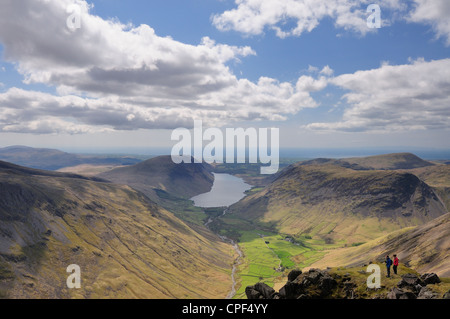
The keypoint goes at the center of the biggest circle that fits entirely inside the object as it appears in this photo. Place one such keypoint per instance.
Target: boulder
(427, 293)
(291, 290)
(430, 279)
(446, 295)
(397, 293)
(260, 291)
(412, 282)
(313, 284)
(294, 274)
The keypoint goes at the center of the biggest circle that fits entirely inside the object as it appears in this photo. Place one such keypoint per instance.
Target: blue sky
(135, 70)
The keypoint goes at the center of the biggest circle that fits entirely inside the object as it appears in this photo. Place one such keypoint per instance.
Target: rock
(430, 279)
(412, 282)
(427, 293)
(446, 295)
(397, 293)
(290, 290)
(294, 274)
(313, 284)
(260, 291)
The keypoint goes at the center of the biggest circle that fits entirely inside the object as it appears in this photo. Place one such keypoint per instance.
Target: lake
(226, 190)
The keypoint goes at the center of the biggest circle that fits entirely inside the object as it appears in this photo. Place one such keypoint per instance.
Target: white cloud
(327, 71)
(415, 96)
(252, 17)
(435, 13)
(111, 75)
(312, 69)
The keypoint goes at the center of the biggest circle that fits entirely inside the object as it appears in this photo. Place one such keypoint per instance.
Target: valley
(126, 245)
(137, 233)
(313, 213)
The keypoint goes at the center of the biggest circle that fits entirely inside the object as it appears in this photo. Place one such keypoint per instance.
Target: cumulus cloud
(435, 13)
(123, 77)
(414, 96)
(252, 17)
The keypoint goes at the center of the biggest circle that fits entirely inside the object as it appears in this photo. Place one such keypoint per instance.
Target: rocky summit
(330, 284)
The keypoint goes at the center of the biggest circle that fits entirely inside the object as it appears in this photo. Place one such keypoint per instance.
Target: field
(269, 257)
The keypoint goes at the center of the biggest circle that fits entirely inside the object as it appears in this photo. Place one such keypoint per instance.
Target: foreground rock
(260, 291)
(430, 279)
(398, 293)
(320, 284)
(413, 287)
(411, 282)
(313, 284)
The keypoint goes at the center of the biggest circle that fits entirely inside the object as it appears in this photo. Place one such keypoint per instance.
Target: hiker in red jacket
(395, 264)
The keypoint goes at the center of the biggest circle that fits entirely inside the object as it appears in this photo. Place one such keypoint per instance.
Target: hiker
(388, 262)
(395, 265)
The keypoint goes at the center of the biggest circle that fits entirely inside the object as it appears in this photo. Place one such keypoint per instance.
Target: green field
(269, 257)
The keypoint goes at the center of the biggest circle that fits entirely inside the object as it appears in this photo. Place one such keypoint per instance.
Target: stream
(236, 262)
(226, 190)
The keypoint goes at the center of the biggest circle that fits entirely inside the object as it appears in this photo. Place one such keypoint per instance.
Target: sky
(116, 75)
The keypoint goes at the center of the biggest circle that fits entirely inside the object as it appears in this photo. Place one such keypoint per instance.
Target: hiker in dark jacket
(388, 262)
(395, 265)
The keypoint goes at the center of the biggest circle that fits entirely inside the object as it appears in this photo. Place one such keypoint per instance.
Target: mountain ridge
(126, 245)
(323, 195)
(183, 180)
(53, 159)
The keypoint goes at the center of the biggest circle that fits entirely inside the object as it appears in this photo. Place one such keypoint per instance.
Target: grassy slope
(126, 246)
(426, 248)
(323, 226)
(438, 177)
(336, 203)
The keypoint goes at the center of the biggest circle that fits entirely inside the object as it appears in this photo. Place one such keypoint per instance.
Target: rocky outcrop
(446, 295)
(411, 282)
(430, 279)
(313, 284)
(413, 287)
(260, 291)
(321, 284)
(427, 293)
(398, 293)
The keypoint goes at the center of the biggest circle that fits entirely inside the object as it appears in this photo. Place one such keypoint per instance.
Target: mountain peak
(389, 161)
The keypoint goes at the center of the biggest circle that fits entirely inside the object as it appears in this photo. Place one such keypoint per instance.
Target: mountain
(389, 161)
(14, 169)
(338, 202)
(394, 161)
(160, 175)
(125, 244)
(51, 159)
(425, 248)
(438, 177)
